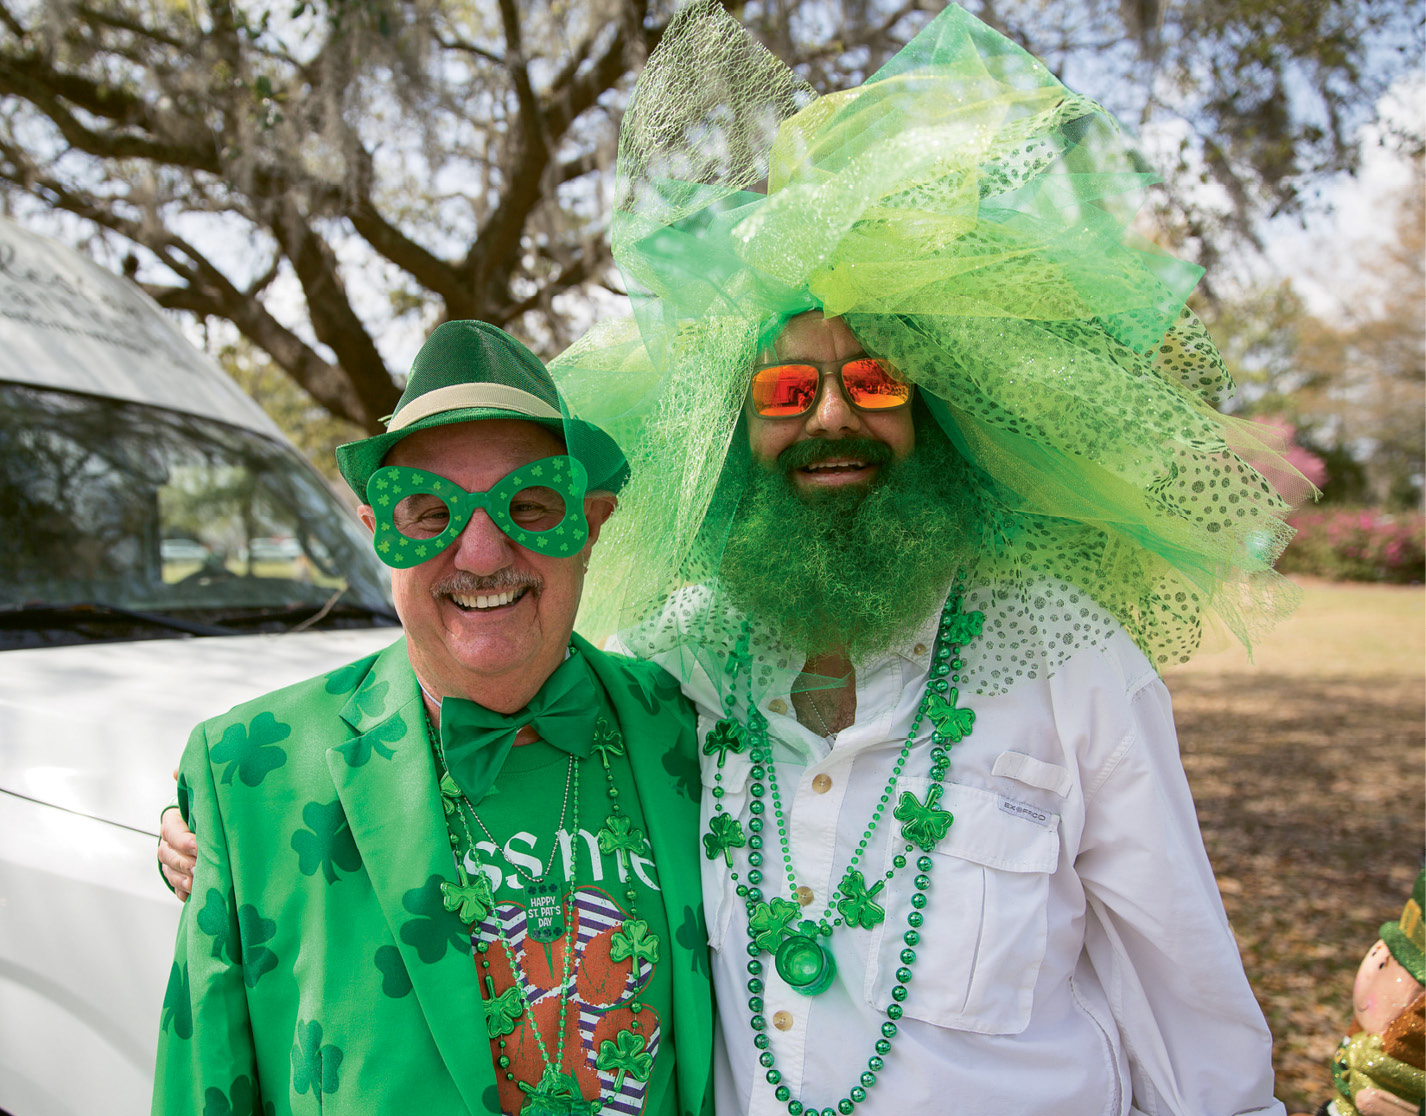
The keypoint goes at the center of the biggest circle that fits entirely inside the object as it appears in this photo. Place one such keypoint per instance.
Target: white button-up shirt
(1074, 959)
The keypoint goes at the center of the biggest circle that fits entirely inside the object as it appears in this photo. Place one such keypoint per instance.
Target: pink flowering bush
(1357, 544)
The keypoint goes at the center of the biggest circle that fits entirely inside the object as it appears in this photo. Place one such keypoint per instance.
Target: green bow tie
(475, 740)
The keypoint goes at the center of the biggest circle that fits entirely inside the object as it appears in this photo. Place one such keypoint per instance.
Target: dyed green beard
(851, 569)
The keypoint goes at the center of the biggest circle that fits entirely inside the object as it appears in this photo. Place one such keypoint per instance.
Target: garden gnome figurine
(1378, 1068)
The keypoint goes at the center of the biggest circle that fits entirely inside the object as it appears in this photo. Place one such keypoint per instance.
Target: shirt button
(803, 895)
(777, 705)
(919, 649)
(782, 1020)
(821, 783)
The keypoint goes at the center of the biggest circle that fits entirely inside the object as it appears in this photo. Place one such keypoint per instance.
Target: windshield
(141, 516)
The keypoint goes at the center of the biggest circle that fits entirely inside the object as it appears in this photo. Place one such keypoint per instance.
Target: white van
(164, 554)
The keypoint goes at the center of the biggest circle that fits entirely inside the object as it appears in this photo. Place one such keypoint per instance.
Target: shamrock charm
(724, 737)
(858, 905)
(924, 824)
(557, 1094)
(501, 1011)
(952, 723)
(725, 833)
(471, 901)
(961, 627)
(608, 741)
(620, 835)
(625, 1056)
(769, 921)
(450, 793)
(633, 940)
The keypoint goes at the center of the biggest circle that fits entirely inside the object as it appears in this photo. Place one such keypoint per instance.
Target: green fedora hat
(467, 371)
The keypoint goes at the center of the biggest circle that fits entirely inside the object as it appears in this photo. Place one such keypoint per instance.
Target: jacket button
(821, 783)
(804, 895)
(782, 1020)
(777, 705)
(919, 649)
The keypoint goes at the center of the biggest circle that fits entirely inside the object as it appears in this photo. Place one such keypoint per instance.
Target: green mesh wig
(969, 218)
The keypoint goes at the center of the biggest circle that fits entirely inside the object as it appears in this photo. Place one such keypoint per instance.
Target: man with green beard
(928, 481)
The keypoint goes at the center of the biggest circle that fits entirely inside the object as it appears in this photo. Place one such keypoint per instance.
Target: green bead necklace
(799, 955)
(472, 900)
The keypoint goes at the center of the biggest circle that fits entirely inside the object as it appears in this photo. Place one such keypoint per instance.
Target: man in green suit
(459, 875)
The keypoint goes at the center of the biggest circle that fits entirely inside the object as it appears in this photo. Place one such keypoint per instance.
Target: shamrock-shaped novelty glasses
(419, 513)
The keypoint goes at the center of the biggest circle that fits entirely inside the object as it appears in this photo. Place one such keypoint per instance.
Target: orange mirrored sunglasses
(789, 390)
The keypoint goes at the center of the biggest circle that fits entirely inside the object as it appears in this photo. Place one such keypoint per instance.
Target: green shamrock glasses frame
(434, 510)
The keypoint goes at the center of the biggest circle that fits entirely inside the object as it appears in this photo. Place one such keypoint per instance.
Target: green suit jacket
(316, 969)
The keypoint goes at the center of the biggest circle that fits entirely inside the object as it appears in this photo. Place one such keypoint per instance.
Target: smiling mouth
(488, 601)
(834, 468)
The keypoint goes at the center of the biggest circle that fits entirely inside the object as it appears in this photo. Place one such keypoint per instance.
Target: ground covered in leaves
(1307, 768)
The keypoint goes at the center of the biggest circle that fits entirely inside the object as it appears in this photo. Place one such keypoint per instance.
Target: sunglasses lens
(784, 390)
(873, 385)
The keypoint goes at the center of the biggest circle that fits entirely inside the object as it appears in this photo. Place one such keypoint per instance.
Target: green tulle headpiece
(969, 218)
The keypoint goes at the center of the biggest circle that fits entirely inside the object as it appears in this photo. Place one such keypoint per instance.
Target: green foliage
(284, 169)
(1358, 544)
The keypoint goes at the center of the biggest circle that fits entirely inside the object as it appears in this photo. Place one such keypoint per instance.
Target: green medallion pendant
(557, 1094)
(806, 964)
(544, 911)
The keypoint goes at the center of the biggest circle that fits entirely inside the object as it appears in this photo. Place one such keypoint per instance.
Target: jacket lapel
(657, 725)
(386, 780)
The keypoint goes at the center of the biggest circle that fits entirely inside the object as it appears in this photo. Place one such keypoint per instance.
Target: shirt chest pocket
(983, 930)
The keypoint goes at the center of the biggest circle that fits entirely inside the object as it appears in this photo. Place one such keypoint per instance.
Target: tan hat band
(459, 396)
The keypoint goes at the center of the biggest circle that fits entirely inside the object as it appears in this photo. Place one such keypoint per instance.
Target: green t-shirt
(619, 1002)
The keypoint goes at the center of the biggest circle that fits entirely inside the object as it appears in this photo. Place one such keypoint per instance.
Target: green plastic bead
(898, 861)
(503, 1061)
(756, 807)
(915, 918)
(868, 1079)
(898, 992)
(883, 1047)
(755, 842)
(755, 876)
(908, 957)
(758, 1023)
(755, 967)
(758, 789)
(922, 882)
(755, 824)
(794, 1108)
(857, 1093)
(918, 901)
(762, 1042)
(773, 1077)
(875, 1063)
(765, 1059)
(903, 975)
(755, 895)
(845, 1106)
(783, 1093)
(893, 1010)
(911, 938)
(755, 1004)
(924, 863)
(889, 1030)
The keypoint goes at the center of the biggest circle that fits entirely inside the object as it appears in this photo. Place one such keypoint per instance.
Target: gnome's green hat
(1406, 937)
(468, 371)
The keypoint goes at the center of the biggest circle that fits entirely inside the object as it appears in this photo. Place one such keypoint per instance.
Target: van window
(124, 521)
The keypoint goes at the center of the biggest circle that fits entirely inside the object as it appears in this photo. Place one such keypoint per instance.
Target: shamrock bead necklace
(472, 900)
(799, 955)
